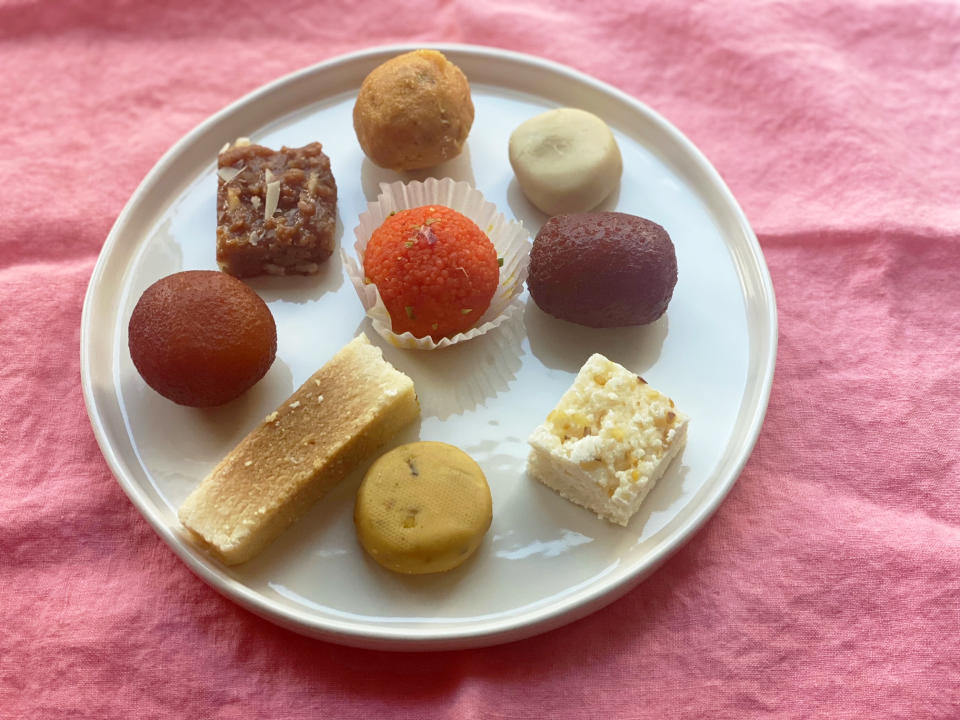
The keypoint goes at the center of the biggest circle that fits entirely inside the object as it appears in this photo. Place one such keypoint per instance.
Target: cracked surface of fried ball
(414, 111)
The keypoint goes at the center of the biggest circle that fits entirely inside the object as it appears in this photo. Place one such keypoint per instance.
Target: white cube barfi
(608, 440)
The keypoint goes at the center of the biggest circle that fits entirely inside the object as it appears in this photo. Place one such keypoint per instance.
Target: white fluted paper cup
(510, 239)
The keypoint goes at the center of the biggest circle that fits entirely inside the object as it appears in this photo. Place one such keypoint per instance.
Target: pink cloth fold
(827, 584)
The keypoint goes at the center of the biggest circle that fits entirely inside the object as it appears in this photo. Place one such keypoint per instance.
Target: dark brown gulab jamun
(201, 338)
(604, 269)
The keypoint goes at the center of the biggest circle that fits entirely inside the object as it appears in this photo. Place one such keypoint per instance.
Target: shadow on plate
(192, 434)
(610, 202)
(576, 526)
(566, 346)
(523, 210)
(227, 424)
(458, 168)
(663, 499)
(457, 379)
(533, 219)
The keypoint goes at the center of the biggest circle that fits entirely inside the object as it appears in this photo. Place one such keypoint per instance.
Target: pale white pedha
(566, 160)
(510, 239)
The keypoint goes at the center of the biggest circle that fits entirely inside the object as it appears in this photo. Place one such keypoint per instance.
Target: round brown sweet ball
(414, 111)
(201, 337)
(605, 269)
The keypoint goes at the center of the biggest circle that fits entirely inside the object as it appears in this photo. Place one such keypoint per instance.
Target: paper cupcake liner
(511, 240)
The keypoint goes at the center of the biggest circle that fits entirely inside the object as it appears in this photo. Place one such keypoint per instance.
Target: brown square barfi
(276, 209)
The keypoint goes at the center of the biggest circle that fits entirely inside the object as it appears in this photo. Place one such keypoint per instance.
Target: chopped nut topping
(227, 174)
(273, 199)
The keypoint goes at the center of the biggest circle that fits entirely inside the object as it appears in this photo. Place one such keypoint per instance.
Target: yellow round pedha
(423, 508)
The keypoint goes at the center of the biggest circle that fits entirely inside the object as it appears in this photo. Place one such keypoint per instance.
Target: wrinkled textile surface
(827, 584)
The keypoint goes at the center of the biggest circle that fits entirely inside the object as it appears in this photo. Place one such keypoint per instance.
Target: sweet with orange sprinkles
(435, 270)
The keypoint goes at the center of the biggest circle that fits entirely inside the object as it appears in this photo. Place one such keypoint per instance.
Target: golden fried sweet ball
(201, 337)
(413, 111)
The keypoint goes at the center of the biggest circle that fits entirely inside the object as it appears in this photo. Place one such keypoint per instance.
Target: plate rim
(454, 636)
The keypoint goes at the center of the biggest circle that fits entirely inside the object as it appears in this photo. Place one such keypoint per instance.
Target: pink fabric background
(827, 584)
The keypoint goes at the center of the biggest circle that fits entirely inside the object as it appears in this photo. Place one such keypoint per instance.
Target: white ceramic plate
(544, 562)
